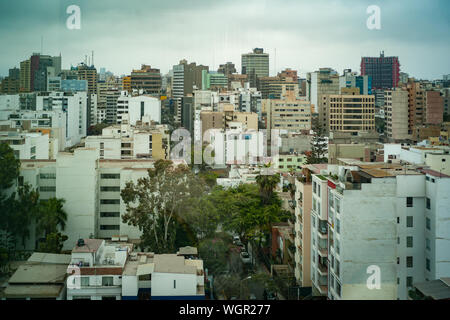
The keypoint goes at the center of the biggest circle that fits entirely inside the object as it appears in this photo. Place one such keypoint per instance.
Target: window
(338, 288)
(428, 203)
(110, 201)
(409, 281)
(427, 242)
(109, 214)
(428, 223)
(20, 181)
(398, 219)
(109, 227)
(47, 189)
(338, 226)
(110, 176)
(428, 264)
(409, 262)
(409, 201)
(409, 221)
(398, 240)
(84, 281)
(47, 176)
(111, 189)
(107, 281)
(174, 284)
(409, 242)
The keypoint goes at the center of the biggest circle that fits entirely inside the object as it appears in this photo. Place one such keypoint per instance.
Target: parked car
(236, 240)
(245, 257)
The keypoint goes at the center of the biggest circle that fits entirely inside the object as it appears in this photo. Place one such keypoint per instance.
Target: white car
(245, 257)
(236, 239)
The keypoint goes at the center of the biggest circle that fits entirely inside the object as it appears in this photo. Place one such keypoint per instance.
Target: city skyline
(305, 36)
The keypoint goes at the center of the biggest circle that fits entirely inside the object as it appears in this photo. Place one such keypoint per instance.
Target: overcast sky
(305, 34)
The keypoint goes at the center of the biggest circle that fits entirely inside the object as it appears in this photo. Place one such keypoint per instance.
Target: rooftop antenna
(42, 44)
(92, 57)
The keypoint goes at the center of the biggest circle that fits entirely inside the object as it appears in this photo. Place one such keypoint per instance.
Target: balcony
(323, 269)
(323, 252)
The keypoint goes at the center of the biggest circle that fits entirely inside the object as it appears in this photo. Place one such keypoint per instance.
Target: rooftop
(436, 289)
(90, 245)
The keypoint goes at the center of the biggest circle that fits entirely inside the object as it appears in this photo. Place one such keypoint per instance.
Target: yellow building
(126, 83)
(350, 111)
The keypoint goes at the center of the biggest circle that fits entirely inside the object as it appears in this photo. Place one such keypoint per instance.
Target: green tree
(267, 185)
(214, 253)
(9, 168)
(53, 243)
(202, 216)
(156, 202)
(50, 216)
(318, 145)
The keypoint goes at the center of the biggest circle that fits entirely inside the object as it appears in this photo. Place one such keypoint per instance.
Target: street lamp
(240, 286)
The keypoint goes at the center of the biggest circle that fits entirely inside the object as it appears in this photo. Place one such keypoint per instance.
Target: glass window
(428, 264)
(428, 203)
(85, 281)
(409, 221)
(428, 244)
(409, 201)
(409, 242)
(107, 281)
(409, 262)
(409, 281)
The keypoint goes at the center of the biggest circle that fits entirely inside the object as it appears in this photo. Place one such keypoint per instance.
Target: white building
(27, 145)
(380, 219)
(64, 113)
(123, 141)
(91, 187)
(163, 277)
(97, 268)
(137, 107)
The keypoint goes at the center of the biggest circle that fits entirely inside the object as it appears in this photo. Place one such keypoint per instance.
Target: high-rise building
(351, 80)
(396, 114)
(255, 64)
(147, 79)
(385, 71)
(227, 69)
(88, 73)
(318, 85)
(288, 113)
(186, 79)
(350, 111)
(11, 83)
(381, 218)
(213, 80)
(25, 76)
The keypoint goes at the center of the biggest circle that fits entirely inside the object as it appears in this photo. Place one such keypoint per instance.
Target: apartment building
(63, 113)
(147, 79)
(350, 111)
(27, 145)
(303, 198)
(98, 269)
(131, 142)
(224, 120)
(91, 187)
(137, 107)
(379, 221)
(319, 84)
(396, 114)
(289, 113)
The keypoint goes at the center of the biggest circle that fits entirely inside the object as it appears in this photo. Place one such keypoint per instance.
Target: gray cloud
(306, 34)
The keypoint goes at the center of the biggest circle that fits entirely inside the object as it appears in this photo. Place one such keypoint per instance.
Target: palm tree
(51, 215)
(267, 184)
